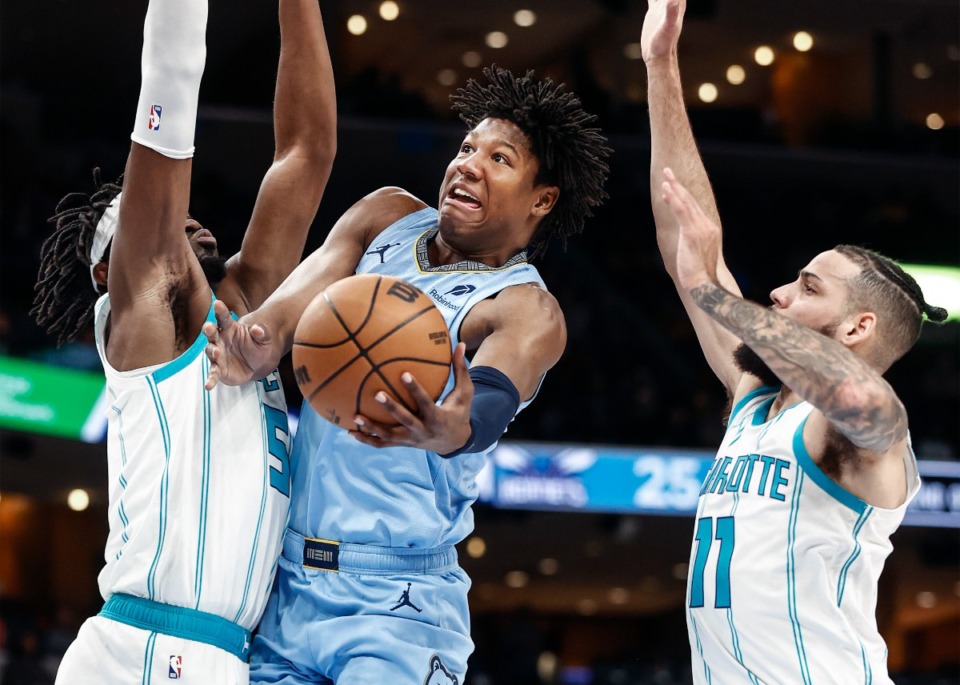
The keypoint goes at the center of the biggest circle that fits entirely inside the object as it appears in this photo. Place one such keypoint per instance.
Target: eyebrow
(497, 143)
(803, 273)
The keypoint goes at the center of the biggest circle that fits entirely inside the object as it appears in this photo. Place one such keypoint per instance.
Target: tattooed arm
(849, 392)
(858, 430)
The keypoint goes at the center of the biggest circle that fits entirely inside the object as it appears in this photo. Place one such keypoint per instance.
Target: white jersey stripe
(792, 578)
(204, 489)
(842, 579)
(148, 659)
(164, 483)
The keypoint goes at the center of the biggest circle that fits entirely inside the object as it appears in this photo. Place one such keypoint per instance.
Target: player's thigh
(106, 652)
(409, 666)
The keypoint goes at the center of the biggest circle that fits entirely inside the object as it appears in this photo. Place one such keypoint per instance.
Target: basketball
(358, 337)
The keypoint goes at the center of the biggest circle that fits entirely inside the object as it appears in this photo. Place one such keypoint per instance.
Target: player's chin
(460, 214)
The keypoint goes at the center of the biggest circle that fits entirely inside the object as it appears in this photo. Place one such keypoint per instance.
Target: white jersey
(199, 485)
(784, 565)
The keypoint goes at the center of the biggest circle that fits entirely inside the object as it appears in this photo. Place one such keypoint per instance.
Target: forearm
(172, 62)
(305, 111)
(672, 145)
(845, 388)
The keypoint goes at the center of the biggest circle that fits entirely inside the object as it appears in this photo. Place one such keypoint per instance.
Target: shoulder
(527, 307)
(391, 200)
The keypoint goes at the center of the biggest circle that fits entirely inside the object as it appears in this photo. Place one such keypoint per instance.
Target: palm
(661, 28)
(238, 352)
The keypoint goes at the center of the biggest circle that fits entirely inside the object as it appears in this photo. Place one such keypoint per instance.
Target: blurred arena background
(848, 134)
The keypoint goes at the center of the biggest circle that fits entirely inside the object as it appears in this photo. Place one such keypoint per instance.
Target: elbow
(874, 415)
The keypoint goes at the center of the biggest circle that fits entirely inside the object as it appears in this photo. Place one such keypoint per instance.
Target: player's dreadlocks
(883, 284)
(571, 153)
(64, 299)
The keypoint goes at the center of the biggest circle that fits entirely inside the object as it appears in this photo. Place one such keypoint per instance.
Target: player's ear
(100, 273)
(858, 328)
(546, 198)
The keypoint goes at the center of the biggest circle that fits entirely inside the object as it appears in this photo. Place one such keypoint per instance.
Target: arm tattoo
(851, 394)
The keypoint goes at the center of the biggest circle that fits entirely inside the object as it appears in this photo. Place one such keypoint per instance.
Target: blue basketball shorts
(357, 614)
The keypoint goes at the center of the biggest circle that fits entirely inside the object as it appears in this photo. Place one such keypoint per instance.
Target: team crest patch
(439, 675)
(176, 664)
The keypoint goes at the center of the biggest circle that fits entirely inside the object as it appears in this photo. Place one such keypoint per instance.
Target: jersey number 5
(705, 537)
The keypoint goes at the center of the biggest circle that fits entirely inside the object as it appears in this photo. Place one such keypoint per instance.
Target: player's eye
(500, 158)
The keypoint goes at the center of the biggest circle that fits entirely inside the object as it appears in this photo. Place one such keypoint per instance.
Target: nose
(780, 297)
(468, 167)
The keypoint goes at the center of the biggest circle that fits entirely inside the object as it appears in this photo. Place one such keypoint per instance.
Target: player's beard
(750, 362)
(214, 268)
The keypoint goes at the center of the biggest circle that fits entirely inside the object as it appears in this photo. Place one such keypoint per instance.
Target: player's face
(488, 190)
(201, 239)
(204, 246)
(819, 297)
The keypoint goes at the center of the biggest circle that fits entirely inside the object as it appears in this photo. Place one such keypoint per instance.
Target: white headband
(103, 234)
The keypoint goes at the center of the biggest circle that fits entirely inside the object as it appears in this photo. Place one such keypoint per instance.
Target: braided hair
(571, 153)
(63, 300)
(882, 285)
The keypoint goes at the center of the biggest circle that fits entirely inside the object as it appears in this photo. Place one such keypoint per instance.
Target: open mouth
(463, 198)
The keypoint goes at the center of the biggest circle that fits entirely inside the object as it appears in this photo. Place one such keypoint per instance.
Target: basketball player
(199, 481)
(816, 469)
(376, 511)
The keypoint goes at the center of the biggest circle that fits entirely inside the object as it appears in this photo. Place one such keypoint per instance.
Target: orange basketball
(358, 337)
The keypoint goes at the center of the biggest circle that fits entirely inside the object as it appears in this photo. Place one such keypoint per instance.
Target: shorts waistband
(329, 555)
(189, 624)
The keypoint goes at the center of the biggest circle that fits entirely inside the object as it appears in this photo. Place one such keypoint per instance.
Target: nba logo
(175, 663)
(154, 122)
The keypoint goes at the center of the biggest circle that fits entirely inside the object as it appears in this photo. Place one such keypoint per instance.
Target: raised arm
(305, 123)
(672, 145)
(252, 347)
(849, 394)
(157, 289)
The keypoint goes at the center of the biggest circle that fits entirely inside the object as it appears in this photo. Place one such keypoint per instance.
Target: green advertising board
(41, 398)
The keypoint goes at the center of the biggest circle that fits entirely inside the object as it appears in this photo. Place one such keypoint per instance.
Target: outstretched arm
(157, 290)
(251, 347)
(672, 145)
(844, 388)
(305, 123)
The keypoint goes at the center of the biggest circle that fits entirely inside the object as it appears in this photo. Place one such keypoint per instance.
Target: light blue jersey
(785, 562)
(397, 497)
(368, 588)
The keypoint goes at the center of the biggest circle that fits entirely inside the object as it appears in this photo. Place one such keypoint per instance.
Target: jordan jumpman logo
(379, 251)
(405, 601)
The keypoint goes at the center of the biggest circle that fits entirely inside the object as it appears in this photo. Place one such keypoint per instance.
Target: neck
(442, 253)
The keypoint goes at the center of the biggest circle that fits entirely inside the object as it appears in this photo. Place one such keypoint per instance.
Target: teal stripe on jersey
(842, 579)
(734, 635)
(792, 580)
(181, 362)
(867, 668)
(763, 390)
(164, 485)
(121, 510)
(830, 486)
(696, 634)
(148, 658)
(736, 647)
(265, 448)
(205, 485)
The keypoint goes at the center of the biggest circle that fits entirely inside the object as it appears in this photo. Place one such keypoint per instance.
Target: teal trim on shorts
(188, 624)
